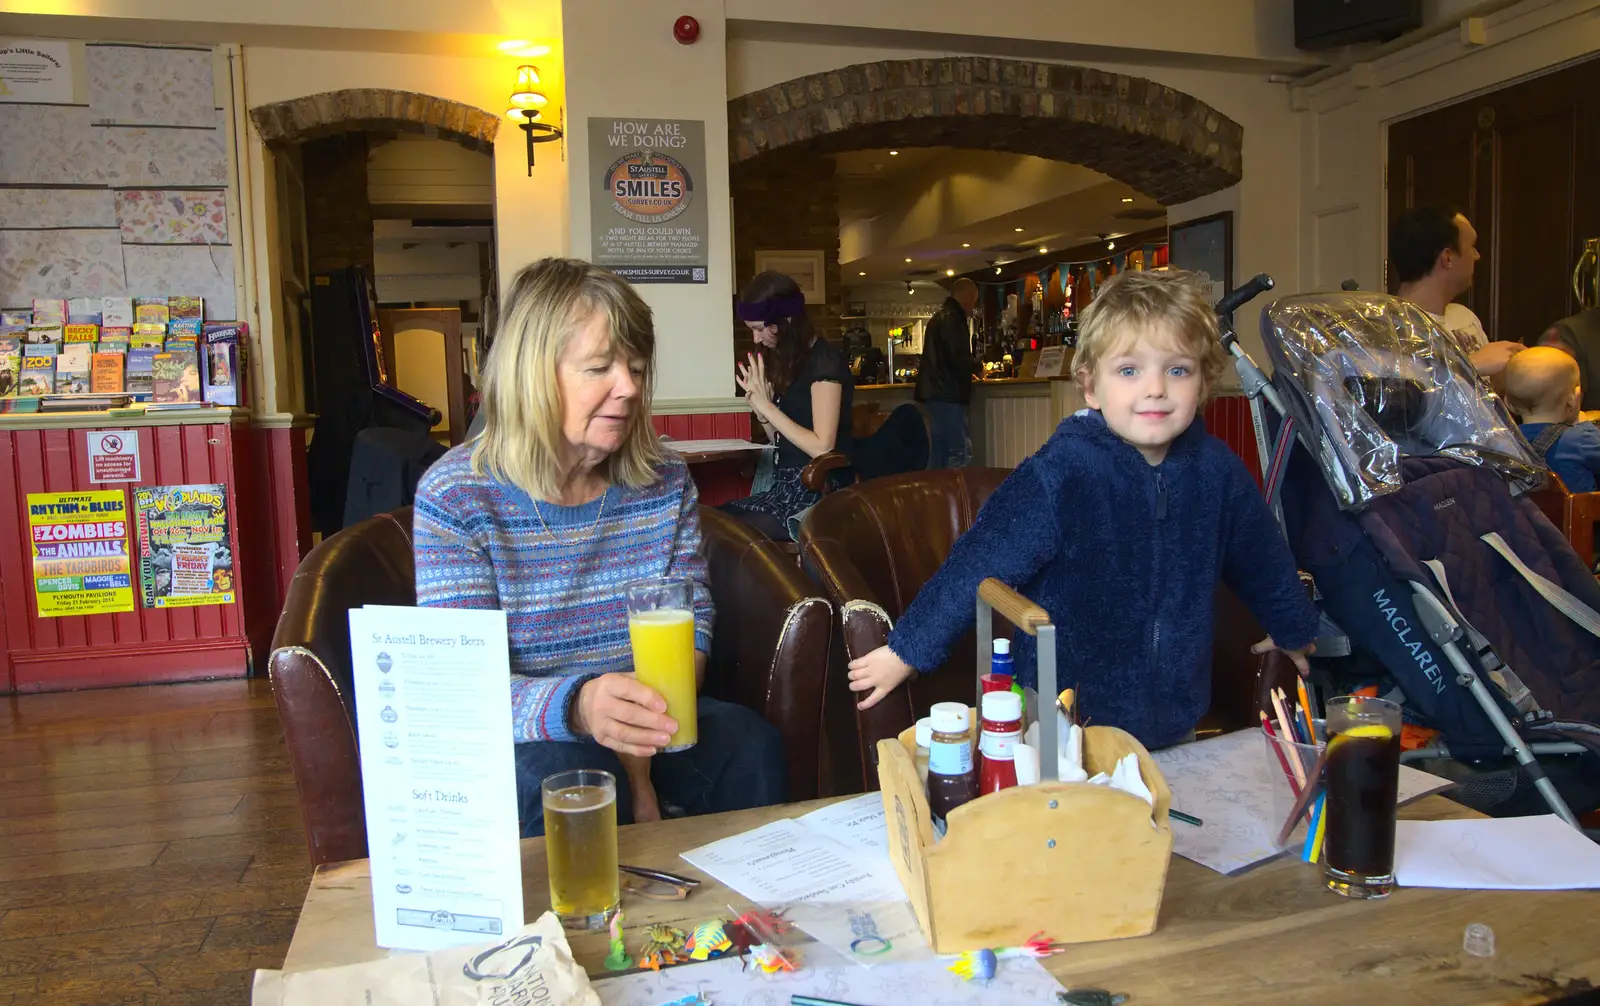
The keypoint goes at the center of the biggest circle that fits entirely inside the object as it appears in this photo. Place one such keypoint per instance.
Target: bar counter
(1011, 417)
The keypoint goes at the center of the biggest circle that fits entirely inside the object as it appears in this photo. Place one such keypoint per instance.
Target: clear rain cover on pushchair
(1371, 378)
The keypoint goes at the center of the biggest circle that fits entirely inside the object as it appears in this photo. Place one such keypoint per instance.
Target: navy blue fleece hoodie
(1125, 556)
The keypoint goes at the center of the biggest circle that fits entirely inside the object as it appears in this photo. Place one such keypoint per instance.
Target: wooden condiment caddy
(1075, 861)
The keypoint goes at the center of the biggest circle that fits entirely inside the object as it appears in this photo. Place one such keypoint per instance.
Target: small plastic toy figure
(618, 959)
(665, 947)
(708, 938)
(976, 965)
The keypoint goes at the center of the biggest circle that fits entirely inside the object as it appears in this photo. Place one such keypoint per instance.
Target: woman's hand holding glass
(623, 715)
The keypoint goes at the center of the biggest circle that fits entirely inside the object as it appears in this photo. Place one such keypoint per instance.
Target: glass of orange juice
(661, 629)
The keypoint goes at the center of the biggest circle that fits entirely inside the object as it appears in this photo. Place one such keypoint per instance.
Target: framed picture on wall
(806, 268)
(1205, 245)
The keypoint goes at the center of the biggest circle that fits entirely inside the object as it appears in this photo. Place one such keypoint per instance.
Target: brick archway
(376, 109)
(1167, 144)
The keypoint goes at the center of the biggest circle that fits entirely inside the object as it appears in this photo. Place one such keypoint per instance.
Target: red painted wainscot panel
(264, 471)
(1228, 419)
(718, 481)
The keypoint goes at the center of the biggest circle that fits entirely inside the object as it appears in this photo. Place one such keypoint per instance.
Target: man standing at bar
(1434, 250)
(944, 377)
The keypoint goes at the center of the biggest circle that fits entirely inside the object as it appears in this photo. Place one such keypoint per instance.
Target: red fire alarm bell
(686, 30)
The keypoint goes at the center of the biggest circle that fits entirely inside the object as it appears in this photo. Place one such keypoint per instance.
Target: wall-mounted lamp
(526, 100)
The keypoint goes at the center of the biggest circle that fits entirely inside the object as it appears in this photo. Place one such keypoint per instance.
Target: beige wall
(1343, 131)
(622, 61)
(395, 25)
(1255, 32)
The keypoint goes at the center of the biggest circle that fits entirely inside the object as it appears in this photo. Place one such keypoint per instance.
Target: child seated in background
(1542, 388)
(1120, 527)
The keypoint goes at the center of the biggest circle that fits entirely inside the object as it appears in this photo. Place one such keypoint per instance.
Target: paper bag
(535, 965)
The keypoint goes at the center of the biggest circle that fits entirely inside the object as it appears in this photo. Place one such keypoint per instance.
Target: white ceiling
(874, 183)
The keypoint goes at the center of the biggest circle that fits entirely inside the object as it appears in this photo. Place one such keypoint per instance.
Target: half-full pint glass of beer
(580, 845)
(1362, 777)
(661, 628)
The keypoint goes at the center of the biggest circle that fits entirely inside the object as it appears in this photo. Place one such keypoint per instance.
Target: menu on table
(433, 712)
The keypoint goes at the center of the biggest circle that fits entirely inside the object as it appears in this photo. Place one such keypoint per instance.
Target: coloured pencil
(1277, 747)
(1178, 815)
(1309, 850)
(1305, 710)
(1293, 714)
(1303, 803)
(1286, 731)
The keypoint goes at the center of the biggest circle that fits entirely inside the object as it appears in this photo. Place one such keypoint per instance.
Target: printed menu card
(433, 713)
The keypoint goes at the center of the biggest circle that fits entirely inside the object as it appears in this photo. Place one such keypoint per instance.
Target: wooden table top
(1271, 935)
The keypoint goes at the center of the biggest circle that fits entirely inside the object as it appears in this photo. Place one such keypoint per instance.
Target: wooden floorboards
(150, 845)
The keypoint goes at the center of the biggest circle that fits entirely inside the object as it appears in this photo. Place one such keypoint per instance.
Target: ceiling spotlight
(894, 153)
(1111, 246)
(949, 272)
(1044, 251)
(860, 274)
(1018, 230)
(965, 245)
(1127, 199)
(997, 270)
(910, 290)
(908, 260)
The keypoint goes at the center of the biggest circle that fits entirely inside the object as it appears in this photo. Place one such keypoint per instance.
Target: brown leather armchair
(1574, 513)
(872, 546)
(367, 563)
(770, 652)
(772, 644)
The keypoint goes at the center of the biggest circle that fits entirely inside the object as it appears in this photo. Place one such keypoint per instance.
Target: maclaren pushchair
(1400, 481)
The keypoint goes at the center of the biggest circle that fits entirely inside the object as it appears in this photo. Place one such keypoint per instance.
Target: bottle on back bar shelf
(952, 780)
(1002, 729)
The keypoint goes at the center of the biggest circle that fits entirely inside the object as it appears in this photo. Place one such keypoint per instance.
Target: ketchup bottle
(1002, 728)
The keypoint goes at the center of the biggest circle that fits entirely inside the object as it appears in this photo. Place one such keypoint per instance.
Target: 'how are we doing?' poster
(81, 564)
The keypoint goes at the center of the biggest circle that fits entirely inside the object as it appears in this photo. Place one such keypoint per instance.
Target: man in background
(1433, 250)
(944, 377)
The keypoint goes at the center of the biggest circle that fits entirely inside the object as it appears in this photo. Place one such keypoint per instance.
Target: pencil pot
(1079, 862)
(1286, 766)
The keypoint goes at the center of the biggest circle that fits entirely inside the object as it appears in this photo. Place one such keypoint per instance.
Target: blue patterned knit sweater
(1125, 557)
(479, 543)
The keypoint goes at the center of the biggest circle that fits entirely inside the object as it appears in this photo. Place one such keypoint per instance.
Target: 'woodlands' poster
(184, 553)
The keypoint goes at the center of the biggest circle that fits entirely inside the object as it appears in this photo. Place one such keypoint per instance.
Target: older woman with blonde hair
(564, 498)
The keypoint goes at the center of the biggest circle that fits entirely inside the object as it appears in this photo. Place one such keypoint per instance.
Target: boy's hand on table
(1296, 657)
(879, 672)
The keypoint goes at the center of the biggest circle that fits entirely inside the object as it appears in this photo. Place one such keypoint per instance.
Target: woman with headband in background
(799, 387)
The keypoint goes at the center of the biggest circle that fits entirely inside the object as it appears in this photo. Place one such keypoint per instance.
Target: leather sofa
(773, 639)
(873, 545)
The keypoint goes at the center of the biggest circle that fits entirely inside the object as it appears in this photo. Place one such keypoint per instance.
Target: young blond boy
(1120, 526)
